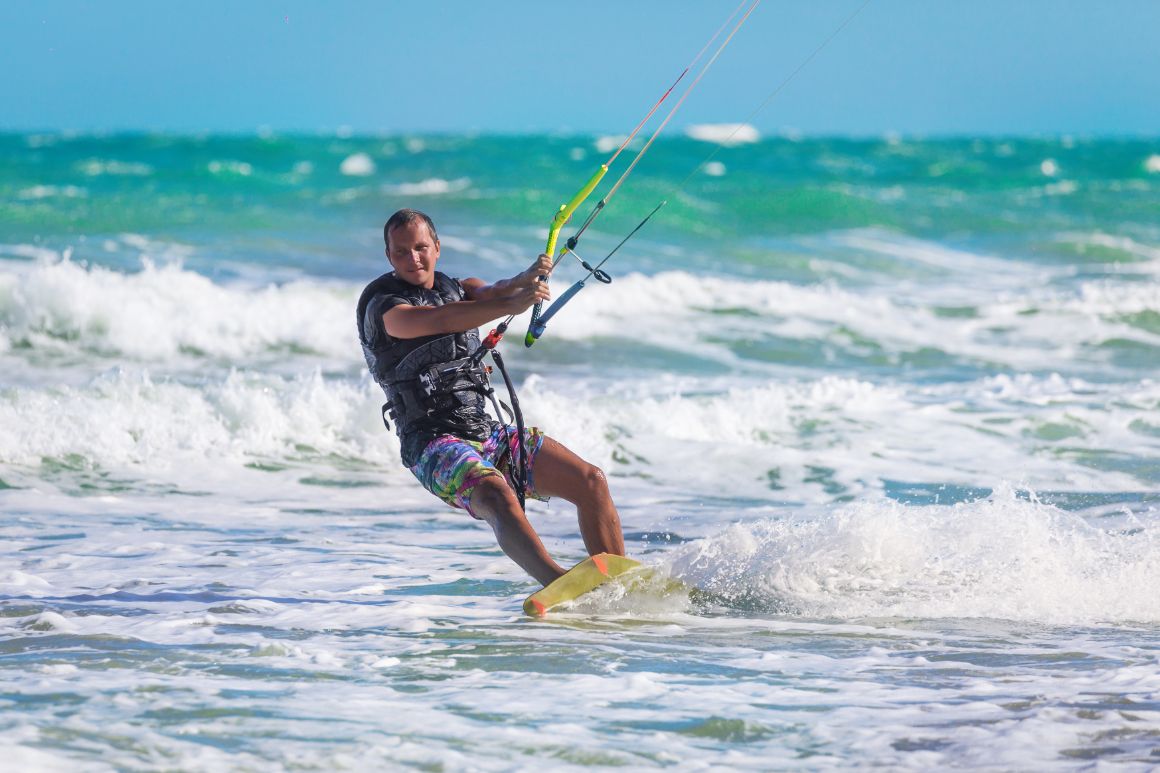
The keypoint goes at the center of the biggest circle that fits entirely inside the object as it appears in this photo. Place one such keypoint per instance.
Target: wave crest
(1000, 557)
(127, 420)
(165, 312)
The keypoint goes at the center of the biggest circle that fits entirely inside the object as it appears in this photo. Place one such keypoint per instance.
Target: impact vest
(432, 386)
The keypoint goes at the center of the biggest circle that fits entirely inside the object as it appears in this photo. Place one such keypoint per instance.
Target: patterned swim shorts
(451, 467)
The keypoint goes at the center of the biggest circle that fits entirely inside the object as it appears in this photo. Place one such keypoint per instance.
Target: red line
(600, 564)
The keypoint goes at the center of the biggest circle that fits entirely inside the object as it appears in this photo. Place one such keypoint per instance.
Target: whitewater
(891, 405)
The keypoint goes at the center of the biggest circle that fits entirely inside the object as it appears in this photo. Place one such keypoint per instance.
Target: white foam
(1113, 298)
(53, 191)
(28, 757)
(128, 421)
(801, 441)
(231, 167)
(167, 315)
(1061, 188)
(1000, 558)
(16, 581)
(94, 167)
(1152, 164)
(51, 621)
(1124, 244)
(609, 143)
(896, 317)
(430, 187)
(724, 133)
(357, 165)
(190, 332)
(927, 253)
(715, 169)
(162, 313)
(271, 596)
(810, 441)
(29, 251)
(41, 140)
(482, 249)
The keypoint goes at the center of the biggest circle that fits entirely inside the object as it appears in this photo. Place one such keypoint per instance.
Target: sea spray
(1004, 556)
(162, 313)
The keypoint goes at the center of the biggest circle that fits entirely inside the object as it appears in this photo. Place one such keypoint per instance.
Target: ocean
(892, 405)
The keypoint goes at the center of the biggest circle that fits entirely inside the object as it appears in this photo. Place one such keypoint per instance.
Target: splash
(62, 309)
(1002, 557)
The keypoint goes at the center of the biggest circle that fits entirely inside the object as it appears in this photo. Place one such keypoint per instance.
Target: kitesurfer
(418, 329)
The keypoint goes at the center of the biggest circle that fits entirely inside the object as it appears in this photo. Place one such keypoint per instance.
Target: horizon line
(787, 134)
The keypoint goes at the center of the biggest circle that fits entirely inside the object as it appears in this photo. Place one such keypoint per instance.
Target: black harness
(437, 382)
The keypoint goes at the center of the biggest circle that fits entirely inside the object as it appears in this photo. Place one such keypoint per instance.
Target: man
(418, 329)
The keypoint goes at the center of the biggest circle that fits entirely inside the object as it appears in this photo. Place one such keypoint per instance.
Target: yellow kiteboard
(583, 577)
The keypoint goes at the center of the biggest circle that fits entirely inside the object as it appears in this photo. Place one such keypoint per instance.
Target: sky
(913, 67)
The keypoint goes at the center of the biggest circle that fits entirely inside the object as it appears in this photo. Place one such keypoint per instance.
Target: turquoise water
(891, 404)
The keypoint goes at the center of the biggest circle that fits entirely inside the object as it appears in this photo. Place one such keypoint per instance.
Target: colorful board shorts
(451, 467)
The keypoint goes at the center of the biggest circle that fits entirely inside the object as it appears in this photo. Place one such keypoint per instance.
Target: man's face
(413, 253)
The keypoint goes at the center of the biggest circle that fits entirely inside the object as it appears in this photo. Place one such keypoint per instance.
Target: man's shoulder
(389, 291)
(391, 284)
(377, 297)
(448, 283)
(385, 284)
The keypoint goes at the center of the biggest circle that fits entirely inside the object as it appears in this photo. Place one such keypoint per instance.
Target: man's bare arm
(414, 322)
(478, 290)
(484, 303)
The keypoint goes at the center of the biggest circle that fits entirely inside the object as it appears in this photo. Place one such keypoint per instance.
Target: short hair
(406, 217)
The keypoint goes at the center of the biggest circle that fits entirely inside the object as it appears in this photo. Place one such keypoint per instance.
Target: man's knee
(594, 483)
(493, 498)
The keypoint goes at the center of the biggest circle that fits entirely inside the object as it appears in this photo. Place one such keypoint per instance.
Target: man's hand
(517, 293)
(542, 267)
(528, 289)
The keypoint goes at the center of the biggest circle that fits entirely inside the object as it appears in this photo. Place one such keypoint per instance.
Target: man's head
(412, 246)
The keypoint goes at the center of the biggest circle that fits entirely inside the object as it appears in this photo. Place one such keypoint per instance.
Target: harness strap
(519, 467)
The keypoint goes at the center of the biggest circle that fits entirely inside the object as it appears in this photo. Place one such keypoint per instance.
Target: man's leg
(494, 501)
(455, 470)
(560, 473)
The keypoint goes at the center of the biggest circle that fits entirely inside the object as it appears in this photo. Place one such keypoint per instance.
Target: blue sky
(909, 66)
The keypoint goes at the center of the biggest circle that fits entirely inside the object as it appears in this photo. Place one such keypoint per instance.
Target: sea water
(891, 405)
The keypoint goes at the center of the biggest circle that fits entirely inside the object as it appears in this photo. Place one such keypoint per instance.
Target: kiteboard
(590, 573)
